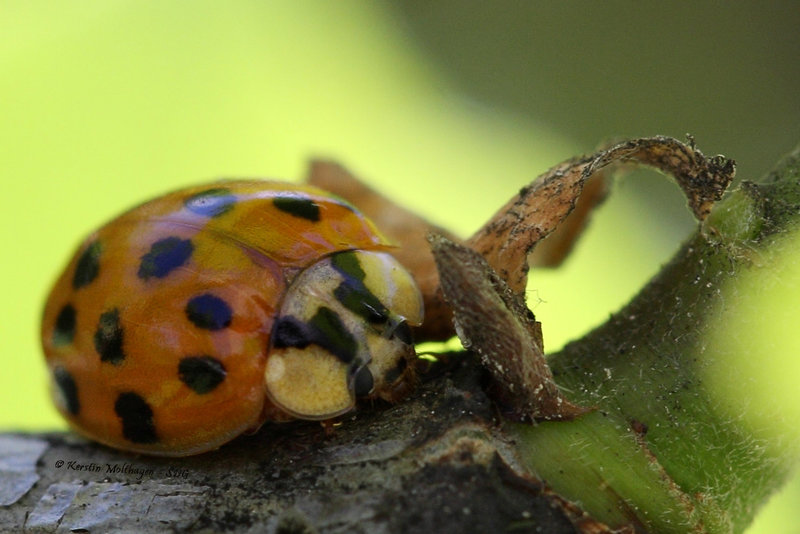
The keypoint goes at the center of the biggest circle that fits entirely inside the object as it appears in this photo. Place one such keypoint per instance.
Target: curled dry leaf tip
(483, 279)
(538, 210)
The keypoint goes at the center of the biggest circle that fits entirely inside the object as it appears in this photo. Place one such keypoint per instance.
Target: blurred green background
(447, 106)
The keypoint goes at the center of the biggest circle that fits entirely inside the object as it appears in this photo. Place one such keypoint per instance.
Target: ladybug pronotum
(199, 315)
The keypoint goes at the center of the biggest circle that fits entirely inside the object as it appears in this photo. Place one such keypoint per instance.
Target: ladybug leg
(329, 426)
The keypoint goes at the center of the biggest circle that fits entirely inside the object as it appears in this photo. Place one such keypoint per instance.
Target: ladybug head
(343, 333)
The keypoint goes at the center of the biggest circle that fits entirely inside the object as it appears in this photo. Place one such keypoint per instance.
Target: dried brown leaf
(552, 251)
(493, 321)
(510, 236)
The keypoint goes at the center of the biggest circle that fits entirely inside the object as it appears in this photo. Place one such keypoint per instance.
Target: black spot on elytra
(64, 331)
(108, 337)
(137, 418)
(363, 383)
(302, 207)
(324, 329)
(201, 373)
(164, 256)
(209, 312)
(88, 266)
(69, 390)
(352, 292)
(211, 203)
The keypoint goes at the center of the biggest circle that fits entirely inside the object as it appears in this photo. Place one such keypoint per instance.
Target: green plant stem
(670, 446)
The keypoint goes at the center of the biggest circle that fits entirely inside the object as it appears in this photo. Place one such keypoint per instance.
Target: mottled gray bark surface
(438, 462)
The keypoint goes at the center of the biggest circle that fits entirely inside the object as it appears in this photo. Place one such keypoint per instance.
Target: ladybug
(202, 314)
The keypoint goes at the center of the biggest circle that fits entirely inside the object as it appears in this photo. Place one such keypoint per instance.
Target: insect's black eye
(363, 382)
(403, 333)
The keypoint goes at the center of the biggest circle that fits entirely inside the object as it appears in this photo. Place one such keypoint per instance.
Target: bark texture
(439, 462)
